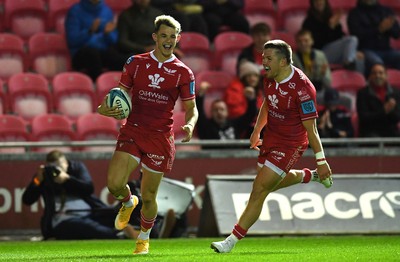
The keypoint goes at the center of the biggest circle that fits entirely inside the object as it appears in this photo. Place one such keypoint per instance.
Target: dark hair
(324, 16)
(260, 28)
(53, 156)
(302, 32)
(168, 21)
(282, 48)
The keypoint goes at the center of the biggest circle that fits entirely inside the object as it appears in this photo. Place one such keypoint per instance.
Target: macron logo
(147, 66)
(155, 81)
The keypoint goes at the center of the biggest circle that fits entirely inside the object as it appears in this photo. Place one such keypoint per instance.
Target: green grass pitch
(250, 249)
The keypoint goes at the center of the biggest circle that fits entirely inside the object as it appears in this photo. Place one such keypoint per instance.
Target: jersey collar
(289, 77)
(166, 61)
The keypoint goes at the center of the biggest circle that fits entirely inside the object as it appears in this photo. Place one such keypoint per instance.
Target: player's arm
(262, 120)
(191, 116)
(105, 110)
(323, 169)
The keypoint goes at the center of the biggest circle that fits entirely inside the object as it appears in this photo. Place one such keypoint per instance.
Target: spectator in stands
(311, 61)
(334, 119)
(374, 25)
(136, 26)
(188, 13)
(261, 33)
(228, 13)
(329, 37)
(235, 97)
(220, 126)
(71, 210)
(378, 106)
(91, 37)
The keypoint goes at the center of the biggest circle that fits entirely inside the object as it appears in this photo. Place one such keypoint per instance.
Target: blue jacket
(78, 22)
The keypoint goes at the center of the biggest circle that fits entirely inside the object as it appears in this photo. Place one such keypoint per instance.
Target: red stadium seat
(57, 12)
(394, 77)
(13, 129)
(29, 95)
(257, 11)
(12, 55)
(290, 12)
(227, 47)
(94, 126)
(395, 43)
(105, 82)
(219, 80)
(73, 94)
(393, 4)
(49, 54)
(347, 81)
(25, 18)
(3, 100)
(343, 5)
(287, 37)
(52, 127)
(196, 49)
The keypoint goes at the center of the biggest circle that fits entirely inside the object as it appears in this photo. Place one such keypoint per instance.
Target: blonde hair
(168, 21)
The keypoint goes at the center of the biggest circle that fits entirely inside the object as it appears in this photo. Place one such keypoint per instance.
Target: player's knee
(149, 197)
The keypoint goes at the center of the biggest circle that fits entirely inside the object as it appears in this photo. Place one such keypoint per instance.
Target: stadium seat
(347, 80)
(25, 18)
(196, 49)
(94, 126)
(56, 14)
(343, 5)
(227, 47)
(291, 12)
(49, 54)
(105, 82)
(395, 43)
(394, 77)
(13, 129)
(73, 94)
(52, 127)
(3, 100)
(393, 4)
(12, 55)
(179, 134)
(219, 80)
(29, 95)
(287, 37)
(260, 11)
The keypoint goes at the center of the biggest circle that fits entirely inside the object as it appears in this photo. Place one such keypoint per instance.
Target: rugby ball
(119, 97)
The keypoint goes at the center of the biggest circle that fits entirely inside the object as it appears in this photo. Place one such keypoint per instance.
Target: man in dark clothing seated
(219, 126)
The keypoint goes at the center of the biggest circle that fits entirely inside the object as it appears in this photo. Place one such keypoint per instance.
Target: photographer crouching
(71, 209)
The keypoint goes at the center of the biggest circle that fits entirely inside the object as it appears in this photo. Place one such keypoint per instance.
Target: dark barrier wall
(16, 172)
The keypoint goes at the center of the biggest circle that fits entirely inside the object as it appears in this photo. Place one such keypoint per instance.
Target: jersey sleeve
(187, 87)
(307, 102)
(127, 73)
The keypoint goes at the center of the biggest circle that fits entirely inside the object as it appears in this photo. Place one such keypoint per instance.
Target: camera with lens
(51, 171)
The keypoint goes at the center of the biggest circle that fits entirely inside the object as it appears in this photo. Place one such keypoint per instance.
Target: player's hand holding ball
(117, 103)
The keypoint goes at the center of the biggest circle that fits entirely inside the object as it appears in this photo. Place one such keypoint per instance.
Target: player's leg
(149, 187)
(120, 167)
(264, 183)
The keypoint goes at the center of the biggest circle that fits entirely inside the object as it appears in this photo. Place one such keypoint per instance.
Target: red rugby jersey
(290, 102)
(155, 87)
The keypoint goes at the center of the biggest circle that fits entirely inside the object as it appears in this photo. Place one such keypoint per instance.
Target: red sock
(127, 198)
(307, 175)
(146, 223)
(239, 232)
